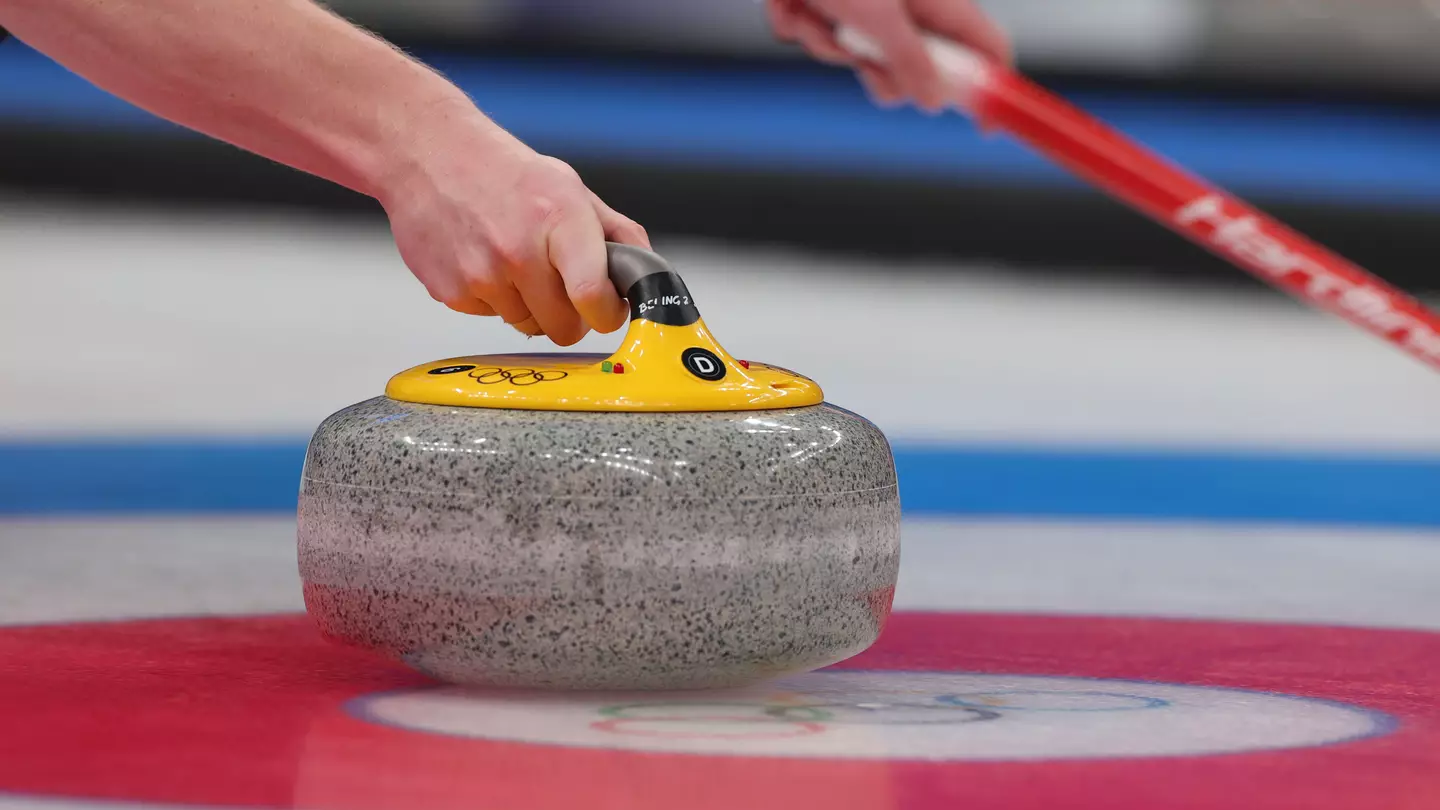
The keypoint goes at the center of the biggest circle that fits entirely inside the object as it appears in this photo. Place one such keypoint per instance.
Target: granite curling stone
(667, 517)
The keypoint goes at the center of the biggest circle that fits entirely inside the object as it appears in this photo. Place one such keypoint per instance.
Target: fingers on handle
(618, 227)
(576, 250)
(468, 305)
(489, 286)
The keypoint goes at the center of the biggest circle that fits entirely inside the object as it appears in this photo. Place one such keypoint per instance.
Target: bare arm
(283, 78)
(486, 224)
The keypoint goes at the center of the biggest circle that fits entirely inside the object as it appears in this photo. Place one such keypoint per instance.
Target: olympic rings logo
(494, 375)
(748, 721)
(710, 721)
(1041, 700)
(784, 720)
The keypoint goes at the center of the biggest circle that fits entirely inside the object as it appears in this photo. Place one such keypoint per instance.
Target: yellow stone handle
(667, 361)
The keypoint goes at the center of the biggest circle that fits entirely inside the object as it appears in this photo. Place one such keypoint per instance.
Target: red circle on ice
(259, 712)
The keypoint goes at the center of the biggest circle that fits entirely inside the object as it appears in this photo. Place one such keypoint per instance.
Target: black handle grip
(655, 291)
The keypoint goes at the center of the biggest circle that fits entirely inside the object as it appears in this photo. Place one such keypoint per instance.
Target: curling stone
(666, 517)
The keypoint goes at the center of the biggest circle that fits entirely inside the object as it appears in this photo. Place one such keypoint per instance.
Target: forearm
(282, 78)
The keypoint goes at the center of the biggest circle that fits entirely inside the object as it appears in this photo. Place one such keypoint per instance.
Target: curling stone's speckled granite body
(600, 550)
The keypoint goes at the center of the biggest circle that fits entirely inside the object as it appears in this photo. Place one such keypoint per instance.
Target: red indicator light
(745, 364)
(619, 368)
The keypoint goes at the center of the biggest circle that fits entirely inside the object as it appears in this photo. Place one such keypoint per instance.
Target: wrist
(425, 136)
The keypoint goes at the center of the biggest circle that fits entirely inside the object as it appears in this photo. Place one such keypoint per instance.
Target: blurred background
(154, 283)
(688, 116)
